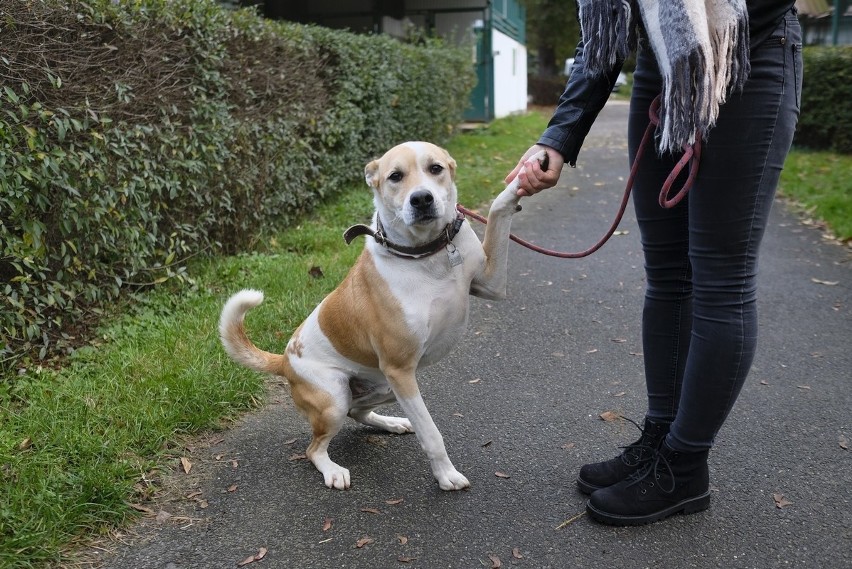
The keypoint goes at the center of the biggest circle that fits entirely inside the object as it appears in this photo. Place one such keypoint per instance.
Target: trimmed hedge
(134, 135)
(826, 120)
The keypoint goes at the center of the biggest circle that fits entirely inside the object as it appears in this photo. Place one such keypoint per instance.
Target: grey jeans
(699, 324)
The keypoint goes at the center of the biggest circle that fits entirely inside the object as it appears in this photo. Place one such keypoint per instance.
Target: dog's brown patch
(366, 324)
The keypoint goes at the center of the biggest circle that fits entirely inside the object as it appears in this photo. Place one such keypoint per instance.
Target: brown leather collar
(445, 238)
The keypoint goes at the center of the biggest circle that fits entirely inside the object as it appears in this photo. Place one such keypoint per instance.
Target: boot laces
(653, 473)
(639, 452)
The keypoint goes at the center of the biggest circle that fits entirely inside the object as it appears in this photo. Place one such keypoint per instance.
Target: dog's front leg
(491, 283)
(408, 396)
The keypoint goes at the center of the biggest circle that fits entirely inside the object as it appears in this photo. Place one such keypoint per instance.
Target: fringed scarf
(701, 46)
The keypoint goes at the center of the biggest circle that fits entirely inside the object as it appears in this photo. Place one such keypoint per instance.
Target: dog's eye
(436, 169)
(395, 176)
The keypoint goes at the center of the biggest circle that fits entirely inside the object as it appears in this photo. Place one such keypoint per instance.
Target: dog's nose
(421, 200)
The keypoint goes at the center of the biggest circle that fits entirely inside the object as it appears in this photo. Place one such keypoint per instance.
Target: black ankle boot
(674, 482)
(634, 457)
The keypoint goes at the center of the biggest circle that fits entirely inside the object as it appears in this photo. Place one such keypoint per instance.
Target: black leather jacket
(578, 107)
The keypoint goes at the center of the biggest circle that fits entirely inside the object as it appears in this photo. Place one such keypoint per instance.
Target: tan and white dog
(403, 305)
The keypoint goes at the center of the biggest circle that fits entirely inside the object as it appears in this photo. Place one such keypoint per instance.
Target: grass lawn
(78, 445)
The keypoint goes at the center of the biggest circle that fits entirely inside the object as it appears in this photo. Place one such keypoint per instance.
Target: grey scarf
(701, 46)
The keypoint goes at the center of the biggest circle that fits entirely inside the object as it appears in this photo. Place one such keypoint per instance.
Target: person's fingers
(530, 151)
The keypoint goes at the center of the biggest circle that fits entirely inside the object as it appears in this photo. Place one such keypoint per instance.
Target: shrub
(134, 135)
(826, 120)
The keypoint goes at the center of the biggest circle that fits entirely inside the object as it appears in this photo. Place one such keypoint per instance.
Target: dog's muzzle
(422, 204)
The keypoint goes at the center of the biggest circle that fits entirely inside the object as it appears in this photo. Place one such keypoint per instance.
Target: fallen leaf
(764, 382)
(474, 380)
(495, 561)
(25, 444)
(591, 351)
(620, 394)
(187, 466)
(316, 272)
(516, 553)
(610, 416)
(486, 443)
(366, 540)
(404, 559)
(327, 524)
(291, 441)
(803, 386)
(370, 510)
(297, 456)
(568, 446)
(232, 488)
(192, 495)
(826, 283)
(844, 444)
(558, 355)
(202, 504)
(402, 539)
(218, 457)
(235, 464)
(781, 501)
(261, 553)
(619, 340)
(501, 475)
(395, 501)
(143, 509)
(162, 517)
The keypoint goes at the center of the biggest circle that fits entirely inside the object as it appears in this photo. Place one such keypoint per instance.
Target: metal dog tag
(454, 255)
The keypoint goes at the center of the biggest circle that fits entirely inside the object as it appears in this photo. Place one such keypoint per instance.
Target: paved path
(522, 396)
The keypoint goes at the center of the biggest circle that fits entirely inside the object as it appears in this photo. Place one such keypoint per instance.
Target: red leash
(691, 157)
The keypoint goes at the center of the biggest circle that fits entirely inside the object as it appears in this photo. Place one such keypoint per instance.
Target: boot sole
(690, 506)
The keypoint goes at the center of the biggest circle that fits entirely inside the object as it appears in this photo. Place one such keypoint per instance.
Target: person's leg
(666, 320)
(727, 213)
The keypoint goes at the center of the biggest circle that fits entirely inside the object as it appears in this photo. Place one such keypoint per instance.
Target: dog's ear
(370, 172)
(452, 165)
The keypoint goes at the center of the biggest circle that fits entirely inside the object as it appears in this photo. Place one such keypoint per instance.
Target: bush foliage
(136, 134)
(826, 120)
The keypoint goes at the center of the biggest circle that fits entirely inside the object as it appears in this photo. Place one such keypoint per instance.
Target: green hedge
(135, 135)
(826, 120)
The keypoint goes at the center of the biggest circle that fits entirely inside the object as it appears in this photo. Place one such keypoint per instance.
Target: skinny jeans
(699, 321)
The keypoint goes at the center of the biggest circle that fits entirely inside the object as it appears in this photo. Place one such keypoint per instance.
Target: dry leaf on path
(402, 539)
(187, 466)
(475, 380)
(261, 553)
(143, 509)
(844, 444)
(289, 442)
(516, 553)
(501, 475)
(327, 524)
(404, 559)
(366, 540)
(826, 283)
(394, 501)
(25, 444)
(495, 561)
(232, 488)
(297, 456)
(610, 416)
(781, 501)
(163, 516)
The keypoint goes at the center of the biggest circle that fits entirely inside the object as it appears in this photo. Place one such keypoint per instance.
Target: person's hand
(530, 174)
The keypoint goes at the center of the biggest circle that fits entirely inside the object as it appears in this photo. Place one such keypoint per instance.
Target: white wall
(510, 75)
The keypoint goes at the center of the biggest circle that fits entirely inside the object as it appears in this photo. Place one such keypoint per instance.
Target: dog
(402, 306)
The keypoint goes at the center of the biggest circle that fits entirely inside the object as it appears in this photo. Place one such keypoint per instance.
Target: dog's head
(414, 188)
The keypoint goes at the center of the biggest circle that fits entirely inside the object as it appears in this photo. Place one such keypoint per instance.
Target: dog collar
(445, 238)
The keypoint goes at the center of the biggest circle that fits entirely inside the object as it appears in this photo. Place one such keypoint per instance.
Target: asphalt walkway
(519, 405)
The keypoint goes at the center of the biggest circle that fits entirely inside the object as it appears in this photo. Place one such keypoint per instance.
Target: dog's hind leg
(326, 410)
(325, 426)
(384, 422)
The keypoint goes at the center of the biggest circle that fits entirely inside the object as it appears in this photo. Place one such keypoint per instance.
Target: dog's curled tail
(232, 333)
